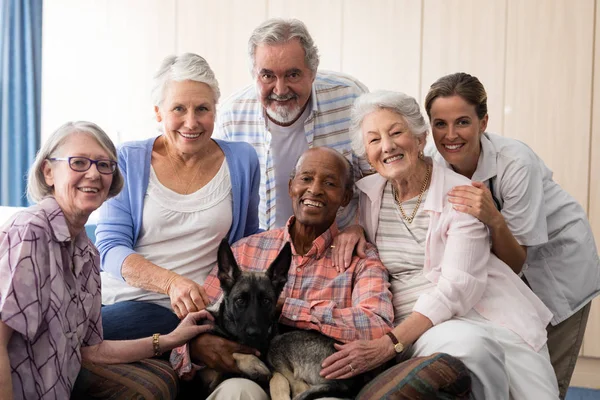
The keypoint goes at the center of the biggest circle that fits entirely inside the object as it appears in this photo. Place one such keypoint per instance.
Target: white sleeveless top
(402, 250)
(180, 233)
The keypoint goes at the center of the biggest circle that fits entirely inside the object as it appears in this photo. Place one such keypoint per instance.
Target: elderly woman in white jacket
(451, 294)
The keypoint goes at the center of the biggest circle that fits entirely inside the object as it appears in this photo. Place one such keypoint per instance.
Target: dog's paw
(279, 387)
(252, 367)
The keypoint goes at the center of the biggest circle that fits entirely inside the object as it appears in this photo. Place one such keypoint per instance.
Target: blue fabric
(121, 217)
(136, 319)
(575, 393)
(20, 95)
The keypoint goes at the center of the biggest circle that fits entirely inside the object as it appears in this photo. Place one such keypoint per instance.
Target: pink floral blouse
(50, 297)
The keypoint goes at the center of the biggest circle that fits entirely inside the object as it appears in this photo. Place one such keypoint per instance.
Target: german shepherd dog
(248, 315)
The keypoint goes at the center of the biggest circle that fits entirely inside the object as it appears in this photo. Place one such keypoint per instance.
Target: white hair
(400, 103)
(278, 31)
(37, 188)
(188, 66)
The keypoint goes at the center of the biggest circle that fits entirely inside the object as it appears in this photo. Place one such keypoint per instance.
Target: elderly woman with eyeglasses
(450, 293)
(50, 300)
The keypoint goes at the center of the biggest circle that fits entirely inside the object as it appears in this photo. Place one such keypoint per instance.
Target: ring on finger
(351, 368)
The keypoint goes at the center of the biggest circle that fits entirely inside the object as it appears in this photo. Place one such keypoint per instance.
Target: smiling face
(457, 132)
(187, 114)
(391, 147)
(78, 193)
(318, 188)
(283, 80)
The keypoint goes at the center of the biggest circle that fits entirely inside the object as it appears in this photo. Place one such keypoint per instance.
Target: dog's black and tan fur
(297, 357)
(247, 315)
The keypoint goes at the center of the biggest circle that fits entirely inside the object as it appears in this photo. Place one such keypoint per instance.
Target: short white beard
(283, 115)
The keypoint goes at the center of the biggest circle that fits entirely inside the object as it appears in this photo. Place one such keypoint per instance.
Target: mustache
(285, 97)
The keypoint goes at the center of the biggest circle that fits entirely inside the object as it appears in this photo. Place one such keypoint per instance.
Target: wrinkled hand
(475, 200)
(363, 355)
(344, 244)
(217, 353)
(189, 328)
(186, 296)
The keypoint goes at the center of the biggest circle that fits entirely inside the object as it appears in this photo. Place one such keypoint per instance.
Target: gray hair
(400, 103)
(188, 66)
(278, 31)
(37, 188)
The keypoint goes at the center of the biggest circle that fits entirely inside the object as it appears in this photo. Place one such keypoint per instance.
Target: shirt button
(298, 269)
(294, 317)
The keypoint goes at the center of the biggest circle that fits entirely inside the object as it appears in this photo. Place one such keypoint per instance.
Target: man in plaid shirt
(354, 304)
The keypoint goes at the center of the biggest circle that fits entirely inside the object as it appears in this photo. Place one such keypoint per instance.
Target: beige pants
(564, 342)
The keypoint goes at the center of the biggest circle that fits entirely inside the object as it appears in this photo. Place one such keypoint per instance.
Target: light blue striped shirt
(242, 118)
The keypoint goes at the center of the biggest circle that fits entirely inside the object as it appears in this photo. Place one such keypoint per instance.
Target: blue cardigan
(121, 217)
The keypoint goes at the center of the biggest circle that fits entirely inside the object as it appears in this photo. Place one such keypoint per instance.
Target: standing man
(290, 108)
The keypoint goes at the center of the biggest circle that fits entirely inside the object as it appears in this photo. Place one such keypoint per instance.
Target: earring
(421, 155)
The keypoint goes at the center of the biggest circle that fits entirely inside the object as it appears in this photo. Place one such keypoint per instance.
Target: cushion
(438, 376)
(151, 379)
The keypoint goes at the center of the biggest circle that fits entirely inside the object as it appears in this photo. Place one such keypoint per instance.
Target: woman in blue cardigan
(184, 192)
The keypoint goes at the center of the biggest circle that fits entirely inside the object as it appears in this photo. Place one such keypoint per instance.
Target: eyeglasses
(82, 164)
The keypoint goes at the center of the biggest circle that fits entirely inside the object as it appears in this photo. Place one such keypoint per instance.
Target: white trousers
(243, 389)
(502, 365)
(238, 389)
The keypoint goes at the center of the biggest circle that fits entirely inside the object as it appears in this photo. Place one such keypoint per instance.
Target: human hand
(357, 357)
(186, 295)
(477, 201)
(189, 328)
(344, 244)
(217, 353)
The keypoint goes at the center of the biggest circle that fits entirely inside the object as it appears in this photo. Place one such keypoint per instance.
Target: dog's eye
(266, 302)
(240, 302)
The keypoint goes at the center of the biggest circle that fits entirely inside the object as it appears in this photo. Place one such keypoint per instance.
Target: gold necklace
(177, 172)
(399, 204)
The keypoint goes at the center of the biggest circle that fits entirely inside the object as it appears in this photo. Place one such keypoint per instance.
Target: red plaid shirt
(355, 304)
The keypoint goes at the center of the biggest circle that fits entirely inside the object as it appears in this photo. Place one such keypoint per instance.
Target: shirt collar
(84, 249)
(373, 186)
(314, 104)
(486, 165)
(319, 246)
(437, 192)
(56, 218)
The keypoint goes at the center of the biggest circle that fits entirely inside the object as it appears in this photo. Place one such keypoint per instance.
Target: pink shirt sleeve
(463, 273)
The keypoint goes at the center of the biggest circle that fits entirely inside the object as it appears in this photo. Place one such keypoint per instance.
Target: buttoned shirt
(354, 304)
(459, 262)
(242, 118)
(562, 264)
(50, 297)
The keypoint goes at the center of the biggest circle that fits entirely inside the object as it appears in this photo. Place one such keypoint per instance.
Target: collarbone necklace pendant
(399, 203)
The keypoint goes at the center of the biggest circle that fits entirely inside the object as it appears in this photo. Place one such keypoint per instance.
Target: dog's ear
(229, 271)
(279, 268)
